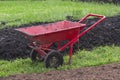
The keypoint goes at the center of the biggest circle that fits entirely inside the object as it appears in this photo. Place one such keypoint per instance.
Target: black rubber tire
(34, 56)
(51, 55)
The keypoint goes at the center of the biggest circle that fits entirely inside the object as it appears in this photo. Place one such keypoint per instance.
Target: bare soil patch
(104, 72)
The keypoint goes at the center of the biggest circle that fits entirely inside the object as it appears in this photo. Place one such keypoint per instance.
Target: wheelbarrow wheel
(35, 56)
(54, 59)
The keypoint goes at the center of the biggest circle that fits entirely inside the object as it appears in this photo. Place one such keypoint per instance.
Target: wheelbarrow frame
(43, 48)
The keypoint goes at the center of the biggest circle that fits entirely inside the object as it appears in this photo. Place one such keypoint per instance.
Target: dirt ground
(104, 72)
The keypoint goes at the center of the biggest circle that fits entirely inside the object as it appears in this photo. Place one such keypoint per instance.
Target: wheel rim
(38, 57)
(54, 61)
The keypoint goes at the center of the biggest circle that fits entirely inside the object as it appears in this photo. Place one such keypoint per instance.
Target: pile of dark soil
(13, 44)
(104, 72)
(117, 2)
(110, 1)
(106, 33)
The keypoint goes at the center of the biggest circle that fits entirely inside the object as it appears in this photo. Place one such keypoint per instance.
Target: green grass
(16, 13)
(98, 56)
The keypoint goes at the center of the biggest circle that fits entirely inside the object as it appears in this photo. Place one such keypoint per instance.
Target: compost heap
(13, 44)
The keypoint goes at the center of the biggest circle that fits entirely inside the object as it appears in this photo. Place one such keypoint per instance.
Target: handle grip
(94, 15)
(93, 25)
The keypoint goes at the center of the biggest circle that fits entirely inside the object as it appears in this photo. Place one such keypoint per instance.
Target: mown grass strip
(98, 56)
(16, 13)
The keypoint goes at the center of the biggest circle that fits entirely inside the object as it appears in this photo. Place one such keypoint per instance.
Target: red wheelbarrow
(42, 37)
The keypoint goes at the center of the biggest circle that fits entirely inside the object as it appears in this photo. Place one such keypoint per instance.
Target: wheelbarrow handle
(93, 25)
(94, 15)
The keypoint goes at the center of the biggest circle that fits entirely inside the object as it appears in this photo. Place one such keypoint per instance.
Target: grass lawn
(15, 13)
(98, 56)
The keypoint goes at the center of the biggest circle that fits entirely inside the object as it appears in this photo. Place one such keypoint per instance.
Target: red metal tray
(47, 33)
(50, 28)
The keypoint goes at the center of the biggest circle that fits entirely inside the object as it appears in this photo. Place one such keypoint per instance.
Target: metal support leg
(70, 54)
(78, 45)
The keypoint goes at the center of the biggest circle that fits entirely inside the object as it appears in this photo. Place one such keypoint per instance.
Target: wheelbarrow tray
(48, 33)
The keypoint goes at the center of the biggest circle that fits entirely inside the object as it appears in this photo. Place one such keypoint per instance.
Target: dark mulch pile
(104, 72)
(106, 33)
(117, 2)
(13, 45)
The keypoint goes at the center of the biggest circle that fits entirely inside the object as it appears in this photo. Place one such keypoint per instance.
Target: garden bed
(13, 44)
